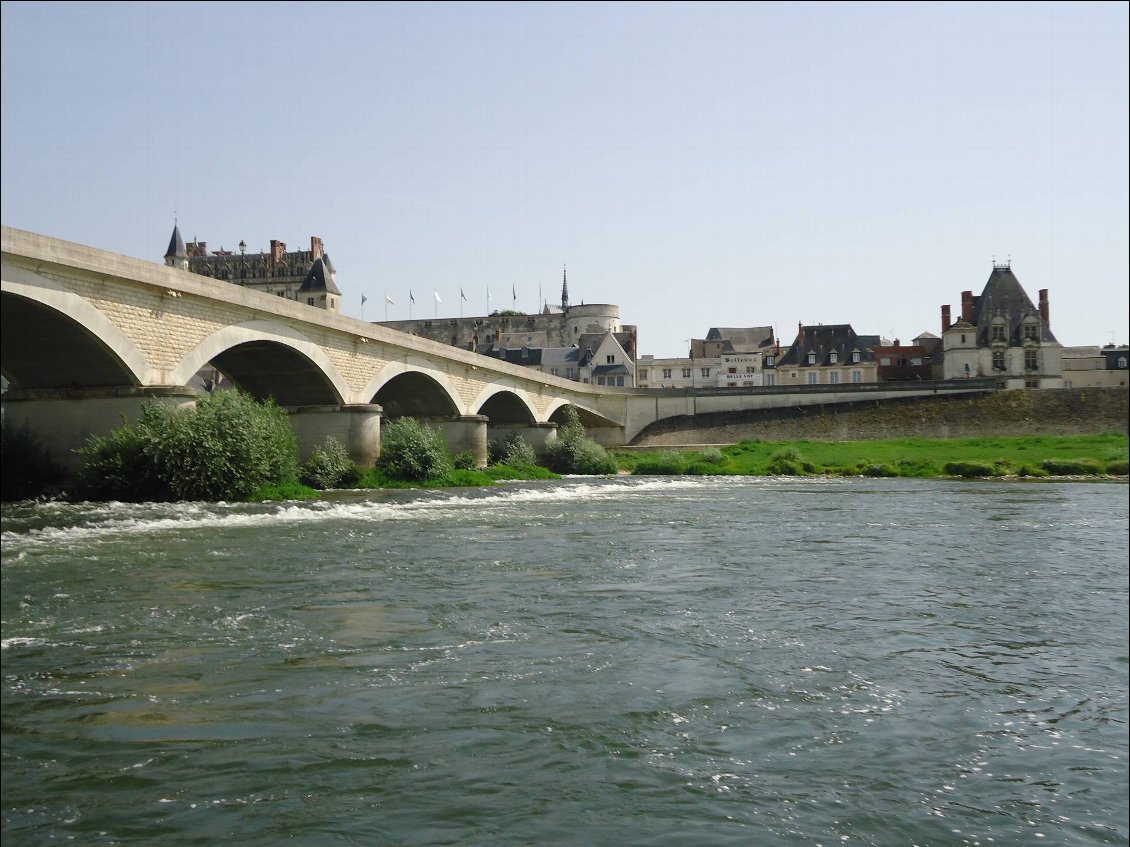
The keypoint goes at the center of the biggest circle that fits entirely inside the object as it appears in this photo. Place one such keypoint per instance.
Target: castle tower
(564, 289)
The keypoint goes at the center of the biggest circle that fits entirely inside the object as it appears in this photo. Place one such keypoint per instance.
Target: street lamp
(242, 262)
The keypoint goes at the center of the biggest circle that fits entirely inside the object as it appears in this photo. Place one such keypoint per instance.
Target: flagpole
(363, 298)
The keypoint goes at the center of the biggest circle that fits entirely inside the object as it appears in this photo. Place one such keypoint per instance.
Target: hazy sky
(699, 165)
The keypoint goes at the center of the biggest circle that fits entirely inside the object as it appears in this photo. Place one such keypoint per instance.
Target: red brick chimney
(946, 318)
(799, 333)
(277, 249)
(315, 248)
(967, 306)
(1044, 311)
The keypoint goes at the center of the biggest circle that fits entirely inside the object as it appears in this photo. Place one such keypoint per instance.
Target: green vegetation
(226, 447)
(1030, 456)
(26, 471)
(329, 466)
(413, 452)
(573, 452)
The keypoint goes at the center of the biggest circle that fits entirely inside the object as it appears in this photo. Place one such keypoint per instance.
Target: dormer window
(812, 358)
(770, 361)
(834, 357)
(1031, 332)
(997, 333)
(855, 357)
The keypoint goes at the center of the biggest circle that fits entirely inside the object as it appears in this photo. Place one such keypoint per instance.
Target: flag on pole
(411, 296)
(462, 296)
(437, 296)
(389, 300)
(364, 299)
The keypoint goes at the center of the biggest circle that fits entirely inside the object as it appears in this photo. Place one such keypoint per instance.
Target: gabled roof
(319, 278)
(748, 339)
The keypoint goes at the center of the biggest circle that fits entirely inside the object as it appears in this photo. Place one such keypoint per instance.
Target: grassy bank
(1027, 456)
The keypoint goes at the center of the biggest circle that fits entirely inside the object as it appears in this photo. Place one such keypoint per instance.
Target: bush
(464, 461)
(224, 448)
(413, 452)
(1118, 467)
(573, 452)
(515, 452)
(971, 470)
(786, 462)
(27, 469)
(666, 463)
(1073, 467)
(329, 466)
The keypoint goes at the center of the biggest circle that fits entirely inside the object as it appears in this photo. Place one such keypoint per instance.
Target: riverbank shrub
(787, 462)
(329, 466)
(26, 468)
(1073, 467)
(573, 452)
(223, 448)
(414, 452)
(971, 470)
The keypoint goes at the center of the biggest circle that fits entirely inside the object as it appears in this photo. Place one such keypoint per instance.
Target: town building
(826, 354)
(728, 357)
(1095, 367)
(1002, 334)
(305, 276)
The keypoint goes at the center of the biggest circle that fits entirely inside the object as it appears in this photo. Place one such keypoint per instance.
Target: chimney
(967, 306)
(799, 332)
(315, 248)
(946, 318)
(1044, 306)
(277, 249)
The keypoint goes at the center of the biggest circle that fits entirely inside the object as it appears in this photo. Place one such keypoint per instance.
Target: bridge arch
(269, 359)
(52, 338)
(589, 417)
(504, 406)
(412, 390)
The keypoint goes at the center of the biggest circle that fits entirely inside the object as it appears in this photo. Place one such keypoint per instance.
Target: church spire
(176, 256)
(564, 289)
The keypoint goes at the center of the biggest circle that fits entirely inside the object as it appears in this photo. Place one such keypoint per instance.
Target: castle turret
(564, 289)
(176, 256)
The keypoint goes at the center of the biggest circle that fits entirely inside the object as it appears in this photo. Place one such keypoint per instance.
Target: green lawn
(1032, 456)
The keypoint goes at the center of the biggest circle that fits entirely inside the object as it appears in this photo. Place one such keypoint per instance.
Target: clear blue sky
(699, 165)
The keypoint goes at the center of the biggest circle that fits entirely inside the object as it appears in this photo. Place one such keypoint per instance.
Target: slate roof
(176, 245)
(825, 339)
(319, 278)
(748, 339)
(1005, 296)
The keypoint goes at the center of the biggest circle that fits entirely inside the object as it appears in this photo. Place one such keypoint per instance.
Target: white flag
(364, 299)
(389, 300)
(462, 296)
(437, 297)
(411, 296)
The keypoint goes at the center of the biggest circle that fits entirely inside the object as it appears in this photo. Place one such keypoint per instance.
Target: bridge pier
(356, 426)
(464, 433)
(64, 419)
(537, 435)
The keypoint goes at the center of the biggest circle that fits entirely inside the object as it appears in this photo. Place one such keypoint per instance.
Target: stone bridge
(87, 336)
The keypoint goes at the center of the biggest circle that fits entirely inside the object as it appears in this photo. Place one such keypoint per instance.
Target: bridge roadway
(88, 335)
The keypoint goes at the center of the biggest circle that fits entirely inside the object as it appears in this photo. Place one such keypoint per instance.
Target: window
(666, 373)
(600, 380)
(834, 377)
(857, 377)
(833, 358)
(812, 358)
(686, 373)
(619, 380)
(1031, 383)
(916, 361)
(610, 359)
(732, 370)
(1031, 360)
(1122, 362)
(998, 361)
(643, 373)
(997, 333)
(963, 338)
(553, 371)
(309, 301)
(770, 379)
(770, 361)
(812, 377)
(885, 361)
(705, 372)
(855, 358)
(1031, 332)
(749, 369)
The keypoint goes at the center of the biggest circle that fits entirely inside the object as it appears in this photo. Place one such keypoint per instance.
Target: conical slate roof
(319, 278)
(176, 245)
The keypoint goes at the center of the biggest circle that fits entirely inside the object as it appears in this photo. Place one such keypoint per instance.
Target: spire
(176, 256)
(564, 289)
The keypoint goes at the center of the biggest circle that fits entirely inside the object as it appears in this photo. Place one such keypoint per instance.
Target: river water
(587, 662)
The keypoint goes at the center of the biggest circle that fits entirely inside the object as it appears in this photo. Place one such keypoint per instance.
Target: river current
(630, 661)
